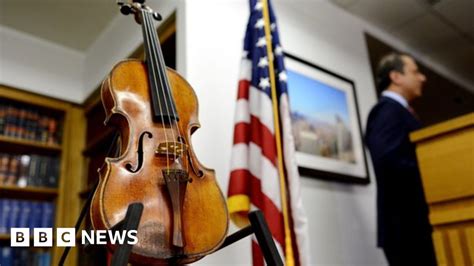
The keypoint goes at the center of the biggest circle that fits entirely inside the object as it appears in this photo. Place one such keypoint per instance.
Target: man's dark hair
(390, 62)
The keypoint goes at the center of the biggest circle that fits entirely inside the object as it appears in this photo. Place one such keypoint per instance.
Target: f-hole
(129, 166)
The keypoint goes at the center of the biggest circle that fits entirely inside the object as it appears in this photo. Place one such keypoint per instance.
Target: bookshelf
(55, 149)
(29, 193)
(28, 144)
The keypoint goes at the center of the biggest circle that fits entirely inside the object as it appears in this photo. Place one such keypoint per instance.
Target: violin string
(166, 81)
(161, 73)
(161, 58)
(152, 70)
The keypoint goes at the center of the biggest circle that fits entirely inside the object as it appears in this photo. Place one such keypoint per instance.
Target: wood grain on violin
(156, 111)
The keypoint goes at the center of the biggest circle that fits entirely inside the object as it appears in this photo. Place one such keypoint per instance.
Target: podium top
(443, 127)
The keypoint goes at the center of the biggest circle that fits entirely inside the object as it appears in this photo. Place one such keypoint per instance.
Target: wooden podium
(445, 154)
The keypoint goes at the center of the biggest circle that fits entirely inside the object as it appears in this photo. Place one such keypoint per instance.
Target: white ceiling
(71, 23)
(443, 30)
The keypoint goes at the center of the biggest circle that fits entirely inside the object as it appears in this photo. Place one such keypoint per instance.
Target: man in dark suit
(404, 231)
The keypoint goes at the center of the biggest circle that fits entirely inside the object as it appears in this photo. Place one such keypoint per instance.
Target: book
(23, 170)
(6, 256)
(4, 215)
(21, 124)
(2, 118)
(53, 172)
(9, 129)
(26, 122)
(45, 258)
(32, 170)
(21, 256)
(43, 128)
(25, 214)
(47, 217)
(12, 172)
(14, 214)
(4, 159)
(36, 215)
(41, 175)
(52, 128)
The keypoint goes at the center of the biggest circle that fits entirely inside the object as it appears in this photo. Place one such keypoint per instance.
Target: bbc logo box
(42, 237)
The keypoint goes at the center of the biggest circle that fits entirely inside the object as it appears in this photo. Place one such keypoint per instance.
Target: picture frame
(326, 123)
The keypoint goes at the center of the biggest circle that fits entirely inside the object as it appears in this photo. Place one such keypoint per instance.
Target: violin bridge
(175, 175)
(176, 149)
(176, 182)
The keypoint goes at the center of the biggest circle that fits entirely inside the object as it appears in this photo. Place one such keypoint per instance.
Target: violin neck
(163, 106)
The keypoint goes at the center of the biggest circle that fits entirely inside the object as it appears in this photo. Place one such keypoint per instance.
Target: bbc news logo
(66, 237)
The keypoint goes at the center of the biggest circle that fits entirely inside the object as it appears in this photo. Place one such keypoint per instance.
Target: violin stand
(259, 227)
(130, 222)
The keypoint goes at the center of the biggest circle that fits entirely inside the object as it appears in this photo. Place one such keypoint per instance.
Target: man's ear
(394, 76)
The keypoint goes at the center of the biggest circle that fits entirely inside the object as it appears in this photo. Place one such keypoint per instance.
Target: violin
(155, 112)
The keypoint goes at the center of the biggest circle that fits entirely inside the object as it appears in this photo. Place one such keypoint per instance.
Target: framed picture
(325, 123)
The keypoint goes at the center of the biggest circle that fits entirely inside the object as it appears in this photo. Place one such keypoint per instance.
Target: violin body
(133, 177)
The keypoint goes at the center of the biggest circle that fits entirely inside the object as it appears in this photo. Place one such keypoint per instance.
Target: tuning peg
(157, 16)
(125, 9)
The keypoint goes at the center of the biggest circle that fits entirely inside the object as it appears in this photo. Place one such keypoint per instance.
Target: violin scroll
(134, 7)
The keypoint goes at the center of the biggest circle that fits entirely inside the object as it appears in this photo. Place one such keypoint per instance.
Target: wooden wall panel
(454, 244)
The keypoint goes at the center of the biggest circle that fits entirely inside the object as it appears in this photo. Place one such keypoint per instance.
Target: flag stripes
(254, 176)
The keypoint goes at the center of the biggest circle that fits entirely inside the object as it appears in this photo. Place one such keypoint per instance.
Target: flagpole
(289, 259)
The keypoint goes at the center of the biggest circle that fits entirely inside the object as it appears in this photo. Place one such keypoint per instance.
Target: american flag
(254, 177)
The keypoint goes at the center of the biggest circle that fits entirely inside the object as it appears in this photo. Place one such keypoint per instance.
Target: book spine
(47, 215)
(4, 159)
(6, 257)
(36, 215)
(12, 174)
(15, 122)
(2, 118)
(3, 215)
(25, 214)
(23, 170)
(14, 214)
(21, 127)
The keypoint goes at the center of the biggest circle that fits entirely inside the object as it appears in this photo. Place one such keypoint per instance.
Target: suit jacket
(402, 212)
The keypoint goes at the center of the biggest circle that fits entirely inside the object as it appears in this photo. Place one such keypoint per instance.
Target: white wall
(29, 63)
(342, 217)
(117, 42)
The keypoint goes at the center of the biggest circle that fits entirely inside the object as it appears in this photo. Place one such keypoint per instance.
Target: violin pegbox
(135, 7)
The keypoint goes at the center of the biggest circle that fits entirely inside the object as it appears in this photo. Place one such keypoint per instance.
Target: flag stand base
(259, 227)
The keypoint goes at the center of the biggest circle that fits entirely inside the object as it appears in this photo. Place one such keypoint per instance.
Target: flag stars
(258, 6)
(282, 76)
(260, 23)
(263, 62)
(278, 50)
(261, 42)
(264, 83)
(273, 26)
